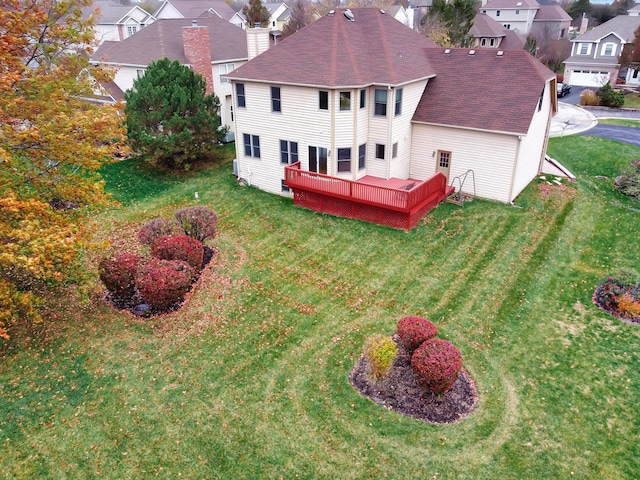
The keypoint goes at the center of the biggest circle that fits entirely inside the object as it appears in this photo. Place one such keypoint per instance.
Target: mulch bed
(132, 304)
(402, 391)
(613, 312)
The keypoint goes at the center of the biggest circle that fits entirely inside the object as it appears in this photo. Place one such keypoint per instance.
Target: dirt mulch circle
(131, 305)
(402, 391)
(613, 312)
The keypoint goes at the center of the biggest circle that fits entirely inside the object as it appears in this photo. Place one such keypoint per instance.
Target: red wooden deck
(395, 203)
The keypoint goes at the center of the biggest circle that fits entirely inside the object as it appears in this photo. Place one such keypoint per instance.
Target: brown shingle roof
(163, 38)
(333, 52)
(484, 91)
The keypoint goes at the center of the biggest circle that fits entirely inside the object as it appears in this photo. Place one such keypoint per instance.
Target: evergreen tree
(579, 7)
(257, 13)
(171, 121)
(457, 17)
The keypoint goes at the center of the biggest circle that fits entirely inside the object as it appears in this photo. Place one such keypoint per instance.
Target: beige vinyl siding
(300, 121)
(489, 155)
(362, 136)
(401, 129)
(532, 146)
(344, 128)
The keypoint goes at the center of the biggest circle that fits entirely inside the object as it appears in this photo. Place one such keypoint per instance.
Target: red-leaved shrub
(163, 283)
(438, 363)
(415, 330)
(197, 222)
(118, 273)
(155, 228)
(179, 247)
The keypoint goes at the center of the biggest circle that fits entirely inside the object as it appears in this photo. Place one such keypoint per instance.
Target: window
(318, 160)
(497, 13)
(131, 30)
(362, 156)
(240, 95)
(379, 151)
(275, 99)
(224, 69)
(283, 186)
(363, 98)
(443, 159)
(344, 160)
(635, 73)
(483, 42)
(398, 109)
(584, 48)
(507, 26)
(288, 152)
(517, 12)
(381, 103)
(345, 100)
(394, 150)
(140, 72)
(608, 49)
(251, 145)
(492, 42)
(324, 100)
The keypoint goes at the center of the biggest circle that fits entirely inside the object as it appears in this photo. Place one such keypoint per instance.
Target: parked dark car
(563, 89)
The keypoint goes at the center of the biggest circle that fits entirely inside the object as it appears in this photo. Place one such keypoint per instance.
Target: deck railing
(385, 197)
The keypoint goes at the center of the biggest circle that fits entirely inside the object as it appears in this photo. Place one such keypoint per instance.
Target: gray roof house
(115, 22)
(210, 45)
(594, 54)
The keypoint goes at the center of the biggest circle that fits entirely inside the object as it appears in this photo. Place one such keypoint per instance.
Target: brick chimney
(197, 49)
(257, 41)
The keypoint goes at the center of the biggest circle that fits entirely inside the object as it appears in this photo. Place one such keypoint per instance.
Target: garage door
(588, 78)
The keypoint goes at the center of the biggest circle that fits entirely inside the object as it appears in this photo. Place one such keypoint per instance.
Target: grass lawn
(249, 380)
(620, 121)
(632, 100)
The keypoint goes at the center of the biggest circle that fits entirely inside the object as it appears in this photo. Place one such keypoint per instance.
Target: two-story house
(516, 15)
(115, 22)
(210, 45)
(193, 8)
(487, 33)
(372, 102)
(594, 54)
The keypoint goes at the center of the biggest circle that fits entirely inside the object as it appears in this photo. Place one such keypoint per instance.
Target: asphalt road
(629, 135)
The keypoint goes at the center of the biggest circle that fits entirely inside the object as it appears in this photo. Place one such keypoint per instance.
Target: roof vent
(349, 14)
(382, 11)
(447, 51)
(331, 12)
(500, 53)
(472, 52)
(519, 4)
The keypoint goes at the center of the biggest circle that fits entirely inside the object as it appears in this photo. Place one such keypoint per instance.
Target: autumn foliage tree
(52, 143)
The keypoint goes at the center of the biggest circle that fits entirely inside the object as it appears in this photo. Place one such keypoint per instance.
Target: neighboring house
(194, 8)
(516, 15)
(210, 45)
(373, 102)
(594, 54)
(279, 15)
(634, 12)
(551, 22)
(115, 22)
(487, 33)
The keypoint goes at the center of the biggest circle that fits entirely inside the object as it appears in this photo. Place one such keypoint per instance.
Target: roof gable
(163, 38)
(334, 51)
(623, 26)
(511, 4)
(494, 90)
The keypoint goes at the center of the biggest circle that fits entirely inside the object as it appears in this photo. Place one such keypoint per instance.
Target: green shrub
(438, 363)
(118, 273)
(609, 97)
(380, 352)
(164, 283)
(415, 330)
(155, 228)
(589, 98)
(179, 247)
(197, 222)
(628, 181)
